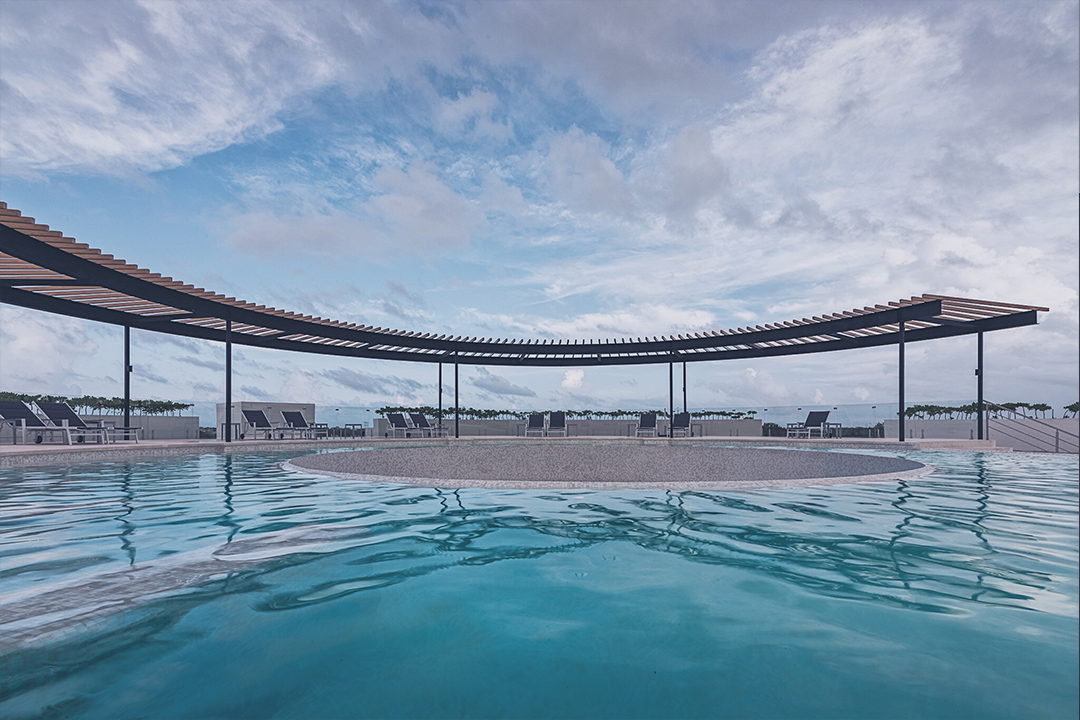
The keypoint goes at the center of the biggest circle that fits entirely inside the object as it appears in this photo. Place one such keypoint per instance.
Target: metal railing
(1015, 425)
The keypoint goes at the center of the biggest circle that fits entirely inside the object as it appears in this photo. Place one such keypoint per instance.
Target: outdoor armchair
(680, 425)
(535, 426)
(646, 426)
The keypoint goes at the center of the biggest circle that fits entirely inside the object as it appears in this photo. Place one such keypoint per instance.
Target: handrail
(1027, 417)
(1028, 432)
(1015, 432)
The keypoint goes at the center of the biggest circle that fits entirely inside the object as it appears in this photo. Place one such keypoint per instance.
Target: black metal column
(457, 410)
(684, 386)
(671, 399)
(979, 374)
(440, 394)
(900, 415)
(127, 376)
(228, 381)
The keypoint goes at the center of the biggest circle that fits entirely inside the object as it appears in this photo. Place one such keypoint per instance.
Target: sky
(553, 170)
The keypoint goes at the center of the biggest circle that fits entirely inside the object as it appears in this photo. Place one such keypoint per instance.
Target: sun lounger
(646, 426)
(257, 421)
(680, 425)
(535, 426)
(296, 422)
(21, 418)
(557, 424)
(816, 421)
(398, 424)
(421, 423)
(60, 414)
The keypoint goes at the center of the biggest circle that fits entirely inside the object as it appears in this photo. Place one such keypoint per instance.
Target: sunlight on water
(224, 586)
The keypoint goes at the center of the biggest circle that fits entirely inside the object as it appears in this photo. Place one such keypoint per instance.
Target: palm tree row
(969, 411)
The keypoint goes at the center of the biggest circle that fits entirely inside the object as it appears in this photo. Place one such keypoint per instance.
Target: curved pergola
(42, 269)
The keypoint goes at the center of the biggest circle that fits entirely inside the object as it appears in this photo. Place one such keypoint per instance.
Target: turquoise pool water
(215, 586)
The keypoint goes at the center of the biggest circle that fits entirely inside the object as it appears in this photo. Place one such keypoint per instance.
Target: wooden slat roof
(41, 268)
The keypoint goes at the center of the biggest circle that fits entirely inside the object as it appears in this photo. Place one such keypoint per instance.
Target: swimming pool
(224, 586)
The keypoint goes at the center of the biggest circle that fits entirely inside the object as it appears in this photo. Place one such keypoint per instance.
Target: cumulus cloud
(572, 379)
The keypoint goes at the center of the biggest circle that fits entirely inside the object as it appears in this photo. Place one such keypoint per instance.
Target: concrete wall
(154, 427)
(1042, 435)
(589, 428)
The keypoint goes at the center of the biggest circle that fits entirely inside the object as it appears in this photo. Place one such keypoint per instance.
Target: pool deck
(56, 454)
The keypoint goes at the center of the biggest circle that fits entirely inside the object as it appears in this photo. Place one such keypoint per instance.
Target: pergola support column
(440, 395)
(457, 409)
(901, 414)
(228, 381)
(979, 375)
(684, 386)
(671, 398)
(127, 376)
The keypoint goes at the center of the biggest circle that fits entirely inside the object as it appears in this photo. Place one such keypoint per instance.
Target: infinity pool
(222, 586)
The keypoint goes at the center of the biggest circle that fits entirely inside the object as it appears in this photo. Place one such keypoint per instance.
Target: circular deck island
(608, 465)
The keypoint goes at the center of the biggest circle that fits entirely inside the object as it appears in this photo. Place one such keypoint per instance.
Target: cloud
(582, 175)
(256, 393)
(147, 86)
(372, 384)
(418, 210)
(472, 113)
(411, 211)
(498, 385)
(214, 365)
(572, 379)
(40, 352)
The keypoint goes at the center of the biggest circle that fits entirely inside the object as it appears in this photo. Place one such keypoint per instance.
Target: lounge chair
(60, 414)
(258, 422)
(646, 426)
(680, 425)
(421, 423)
(19, 415)
(816, 421)
(557, 424)
(296, 422)
(398, 424)
(535, 425)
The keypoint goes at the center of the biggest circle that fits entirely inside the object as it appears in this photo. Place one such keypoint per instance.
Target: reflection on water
(136, 546)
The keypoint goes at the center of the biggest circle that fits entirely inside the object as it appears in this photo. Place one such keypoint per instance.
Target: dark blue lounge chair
(60, 414)
(646, 426)
(535, 425)
(557, 424)
(680, 425)
(19, 415)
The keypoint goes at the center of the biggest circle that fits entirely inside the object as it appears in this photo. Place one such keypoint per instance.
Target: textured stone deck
(609, 464)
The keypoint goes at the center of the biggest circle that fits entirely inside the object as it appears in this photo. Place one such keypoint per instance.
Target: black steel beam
(88, 272)
(24, 298)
